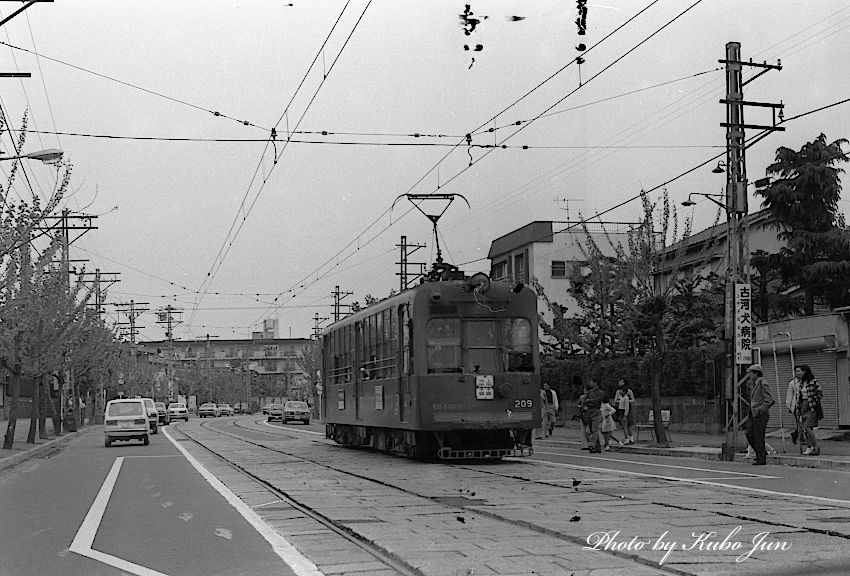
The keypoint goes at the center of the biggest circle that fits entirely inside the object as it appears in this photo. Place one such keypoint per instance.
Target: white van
(126, 419)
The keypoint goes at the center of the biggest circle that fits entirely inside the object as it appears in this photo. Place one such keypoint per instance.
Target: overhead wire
(211, 275)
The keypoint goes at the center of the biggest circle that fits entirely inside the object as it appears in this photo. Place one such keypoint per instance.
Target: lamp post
(711, 197)
(48, 156)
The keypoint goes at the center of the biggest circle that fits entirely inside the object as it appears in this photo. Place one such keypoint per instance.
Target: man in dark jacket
(592, 402)
(760, 402)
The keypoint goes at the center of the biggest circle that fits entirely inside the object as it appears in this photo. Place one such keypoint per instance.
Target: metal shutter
(823, 367)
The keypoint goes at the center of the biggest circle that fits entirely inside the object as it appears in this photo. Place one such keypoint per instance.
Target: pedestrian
(582, 416)
(592, 403)
(791, 401)
(551, 406)
(760, 402)
(811, 409)
(608, 425)
(625, 416)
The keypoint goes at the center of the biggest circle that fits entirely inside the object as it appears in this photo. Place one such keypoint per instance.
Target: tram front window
(480, 343)
(516, 342)
(443, 340)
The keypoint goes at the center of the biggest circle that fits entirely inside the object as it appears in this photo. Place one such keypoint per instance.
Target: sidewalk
(834, 446)
(22, 451)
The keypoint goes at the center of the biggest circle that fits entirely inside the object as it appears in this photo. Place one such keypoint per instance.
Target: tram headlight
(436, 296)
(505, 390)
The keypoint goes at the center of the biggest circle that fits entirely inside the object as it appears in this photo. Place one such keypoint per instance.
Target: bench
(665, 420)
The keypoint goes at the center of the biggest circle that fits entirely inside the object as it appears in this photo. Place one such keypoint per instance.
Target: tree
(644, 300)
(803, 198)
(310, 362)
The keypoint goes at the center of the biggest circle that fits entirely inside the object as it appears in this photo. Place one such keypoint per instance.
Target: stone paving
(521, 518)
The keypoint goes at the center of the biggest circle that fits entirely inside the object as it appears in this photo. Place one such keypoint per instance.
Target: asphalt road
(146, 510)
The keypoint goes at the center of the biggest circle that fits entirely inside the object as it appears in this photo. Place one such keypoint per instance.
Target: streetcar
(446, 370)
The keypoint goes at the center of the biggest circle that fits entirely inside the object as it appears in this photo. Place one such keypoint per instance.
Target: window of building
(519, 268)
(559, 269)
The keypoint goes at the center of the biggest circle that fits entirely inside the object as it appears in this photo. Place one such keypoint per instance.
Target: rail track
(473, 494)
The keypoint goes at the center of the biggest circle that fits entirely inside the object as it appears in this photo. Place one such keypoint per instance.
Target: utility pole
(404, 282)
(739, 333)
(64, 223)
(317, 322)
(132, 310)
(338, 296)
(99, 290)
(165, 316)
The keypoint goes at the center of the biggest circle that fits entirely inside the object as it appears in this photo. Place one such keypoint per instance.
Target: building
(273, 362)
(822, 342)
(549, 252)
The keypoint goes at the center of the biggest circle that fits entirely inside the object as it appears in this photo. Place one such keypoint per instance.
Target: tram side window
(516, 342)
(443, 342)
(481, 346)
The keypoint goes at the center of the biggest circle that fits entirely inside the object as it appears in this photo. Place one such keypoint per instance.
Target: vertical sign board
(744, 331)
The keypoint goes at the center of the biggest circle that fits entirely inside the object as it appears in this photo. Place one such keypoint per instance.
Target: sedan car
(126, 419)
(177, 411)
(266, 408)
(153, 415)
(295, 410)
(275, 412)
(162, 414)
(225, 410)
(208, 409)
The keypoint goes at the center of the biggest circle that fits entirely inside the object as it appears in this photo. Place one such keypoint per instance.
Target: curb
(709, 453)
(40, 449)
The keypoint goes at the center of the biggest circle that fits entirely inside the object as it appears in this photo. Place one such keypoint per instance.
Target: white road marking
(638, 462)
(266, 504)
(281, 427)
(300, 564)
(224, 533)
(689, 480)
(84, 538)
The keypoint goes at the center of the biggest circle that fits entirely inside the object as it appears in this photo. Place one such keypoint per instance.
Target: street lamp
(48, 156)
(720, 168)
(711, 197)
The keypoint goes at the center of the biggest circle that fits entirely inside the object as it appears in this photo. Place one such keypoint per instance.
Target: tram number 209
(523, 404)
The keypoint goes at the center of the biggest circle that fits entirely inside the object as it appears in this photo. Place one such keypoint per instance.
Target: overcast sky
(195, 213)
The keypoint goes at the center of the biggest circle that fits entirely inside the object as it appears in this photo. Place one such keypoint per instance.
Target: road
(149, 512)
(244, 496)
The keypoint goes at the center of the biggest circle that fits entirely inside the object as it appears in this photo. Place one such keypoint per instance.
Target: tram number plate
(484, 387)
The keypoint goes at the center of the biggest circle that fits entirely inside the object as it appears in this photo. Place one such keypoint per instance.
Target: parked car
(225, 410)
(153, 415)
(126, 419)
(242, 408)
(266, 408)
(208, 409)
(296, 410)
(162, 414)
(275, 412)
(177, 411)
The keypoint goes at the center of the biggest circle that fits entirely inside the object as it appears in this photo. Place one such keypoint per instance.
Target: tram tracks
(459, 502)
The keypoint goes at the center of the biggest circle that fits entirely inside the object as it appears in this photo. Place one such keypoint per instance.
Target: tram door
(403, 354)
(359, 359)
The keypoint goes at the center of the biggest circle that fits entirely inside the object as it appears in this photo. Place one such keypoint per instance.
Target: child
(608, 424)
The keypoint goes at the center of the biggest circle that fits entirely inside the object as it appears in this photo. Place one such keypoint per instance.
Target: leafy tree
(804, 197)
